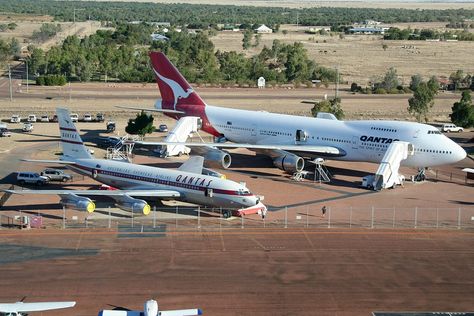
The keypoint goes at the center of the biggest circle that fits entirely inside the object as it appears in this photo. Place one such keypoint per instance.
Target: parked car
(87, 117)
(27, 127)
(44, 118)
(100, 117)
(31, 178)
(32, 118)
(15, 119)
(447, 128)
(74, 117)
(56, 175)
(163, 128)
(4, 132)
(110, 126)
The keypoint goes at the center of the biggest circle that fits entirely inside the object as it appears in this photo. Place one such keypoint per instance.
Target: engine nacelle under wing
(289, 163)
(76, 202)
(213, 157)
(130, 204)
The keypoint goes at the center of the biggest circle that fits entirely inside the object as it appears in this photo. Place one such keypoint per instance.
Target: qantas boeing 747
(289, 139)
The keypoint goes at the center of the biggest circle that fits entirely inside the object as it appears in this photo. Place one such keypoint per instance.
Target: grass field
(361, 58)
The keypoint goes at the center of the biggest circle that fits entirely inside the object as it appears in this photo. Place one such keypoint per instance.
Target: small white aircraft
(22, 309)
(151, 309)
(187, 183)
(290, 139)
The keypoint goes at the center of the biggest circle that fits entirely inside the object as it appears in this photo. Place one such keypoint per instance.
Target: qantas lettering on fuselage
(193, 180)
(375, 139)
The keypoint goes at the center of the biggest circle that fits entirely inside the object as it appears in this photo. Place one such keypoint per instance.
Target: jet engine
(151, 308)
(214, 158)
(130, 204)
(77, 202)
(289, 163)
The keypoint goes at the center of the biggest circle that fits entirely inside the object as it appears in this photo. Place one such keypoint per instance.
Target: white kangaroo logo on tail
(178, 91)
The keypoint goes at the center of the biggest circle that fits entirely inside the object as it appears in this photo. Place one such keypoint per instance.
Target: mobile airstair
(184, 128)
(387, 175)
(122, 151)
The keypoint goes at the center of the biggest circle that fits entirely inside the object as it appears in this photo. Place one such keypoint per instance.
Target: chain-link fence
(188, 218)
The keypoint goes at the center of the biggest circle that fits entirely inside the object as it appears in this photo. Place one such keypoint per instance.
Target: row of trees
(46, 31)
(123, 55)
(9, 50)
(180, 14)
(395, 33)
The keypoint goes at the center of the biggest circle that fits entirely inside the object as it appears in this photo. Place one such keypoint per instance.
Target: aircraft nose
(460, 153)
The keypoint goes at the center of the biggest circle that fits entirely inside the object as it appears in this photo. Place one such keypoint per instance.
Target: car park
(4, 132)
(448, 128)
(44, 118)
(74, 117)
(32, 118)
(87, 117)
(31, 178)
(163, 128)
(15, 119)
(56, 175)
(27, 127)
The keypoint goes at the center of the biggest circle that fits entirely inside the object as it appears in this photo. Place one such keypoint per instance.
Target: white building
(263, 29)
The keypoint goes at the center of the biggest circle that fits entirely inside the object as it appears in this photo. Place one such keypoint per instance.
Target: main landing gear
(420, 176)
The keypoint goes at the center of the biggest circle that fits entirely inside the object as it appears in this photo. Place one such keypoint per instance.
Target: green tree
(247, 38)
(141, 125)
(456, 78)
(330, 106)
(422, 101)
(463, 111)
(390, 80)
(415, 82)
(433, 84)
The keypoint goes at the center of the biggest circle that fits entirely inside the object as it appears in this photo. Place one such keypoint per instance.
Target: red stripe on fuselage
(159, 181)
(72, 142)
(68, 129)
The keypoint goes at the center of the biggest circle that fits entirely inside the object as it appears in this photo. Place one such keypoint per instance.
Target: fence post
(154, 216)
(393, 219)
(307, 211)
(133, 211)
(242, 221)
(286, 216)
(329, 217)
(459, 218)
(199, 217)
(64, 217)
(416, 216)
(350, 217)
(437, 217)
(220, 218)
(176, 218)
(109, 219)
(372, 220)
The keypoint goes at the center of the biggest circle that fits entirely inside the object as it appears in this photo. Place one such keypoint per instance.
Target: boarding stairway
(387, 175)
(184, 128)
(122, 151)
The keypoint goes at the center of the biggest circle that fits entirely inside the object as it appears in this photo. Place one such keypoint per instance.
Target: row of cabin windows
(335, 140)
(433, 151)
(383, 129)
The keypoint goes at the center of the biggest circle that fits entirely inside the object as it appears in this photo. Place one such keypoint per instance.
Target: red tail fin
(176, 93)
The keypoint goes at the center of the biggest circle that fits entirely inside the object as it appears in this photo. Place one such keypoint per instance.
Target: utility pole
(10, 81)
(26, 62)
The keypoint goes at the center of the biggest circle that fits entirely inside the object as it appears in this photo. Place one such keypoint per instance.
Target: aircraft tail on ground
(71, 142)
(176, 92)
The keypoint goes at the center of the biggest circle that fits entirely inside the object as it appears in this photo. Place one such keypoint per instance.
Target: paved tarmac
(235, 272)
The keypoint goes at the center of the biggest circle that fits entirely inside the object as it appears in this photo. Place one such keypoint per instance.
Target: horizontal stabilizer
(59, 162)
(150, 109)
(143, 193)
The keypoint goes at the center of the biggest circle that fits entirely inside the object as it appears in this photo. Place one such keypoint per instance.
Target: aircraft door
(355, 142)
(301, 136)
(254, 130)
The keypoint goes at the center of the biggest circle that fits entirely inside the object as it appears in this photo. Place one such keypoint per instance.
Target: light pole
(10, 83)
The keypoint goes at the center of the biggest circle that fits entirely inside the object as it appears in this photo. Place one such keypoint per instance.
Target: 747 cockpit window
(434, 132)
